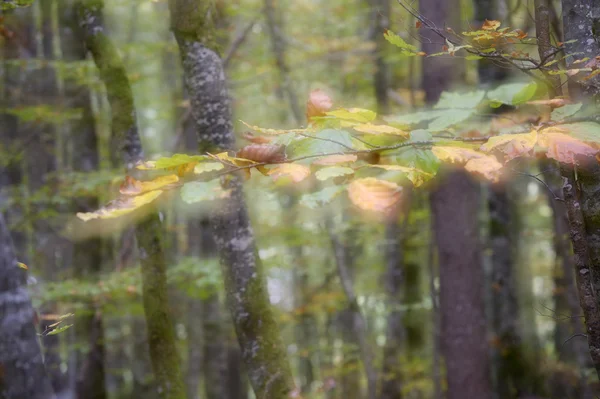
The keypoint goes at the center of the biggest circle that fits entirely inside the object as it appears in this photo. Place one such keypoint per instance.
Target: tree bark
(454, 203)
(125, 137)
(22, 373)
(245, 287)
(380, 22)
(87, 255)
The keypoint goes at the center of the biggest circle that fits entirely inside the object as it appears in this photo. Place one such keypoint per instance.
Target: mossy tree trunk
(126, 142)
(247, 297)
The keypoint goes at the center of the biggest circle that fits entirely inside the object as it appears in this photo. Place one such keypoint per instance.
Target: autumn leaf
(490, 25)
(512, 145)
(182, 163)
(473, 161)
(318, 104)
(564, 148)
(22, 265)
(371, 194)
(273, 132)
(132, 186)
(262, 153)
(418, 24)
(353, 114)
(121, 206)
(335, 159)
(370, 128)
(295, 171)
(553, 103)
(204, 167)
(256, 139)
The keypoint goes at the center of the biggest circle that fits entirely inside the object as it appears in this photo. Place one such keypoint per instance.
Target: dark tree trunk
(380, 22)
(87, 256)
(464, 343)
(22, 373)
(125, 138)
(256, 328)
(391, 377)
(454, 205)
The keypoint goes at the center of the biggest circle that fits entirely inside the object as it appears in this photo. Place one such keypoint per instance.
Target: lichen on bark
(245, 286)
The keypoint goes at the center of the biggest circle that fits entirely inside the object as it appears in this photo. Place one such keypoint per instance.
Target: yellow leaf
(473, 161)
(353, 114)
(132, 186)
(335, 159)
(22, 265)
(121, 206)
(273, 132)
(513, 145)
(371, 194)
(296, 172)
(226, 158)
(379, 129)
(564, 148)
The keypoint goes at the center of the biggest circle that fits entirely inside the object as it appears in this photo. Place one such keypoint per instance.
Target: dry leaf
(295, 171)
(132, 186)
(512, 145)
(318, 103)
(262, 153)
(371, 194)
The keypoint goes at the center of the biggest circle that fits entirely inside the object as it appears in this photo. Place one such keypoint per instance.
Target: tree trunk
(22, 373)
(380, 22)
(87, 256)
(454, 203)
(125, 137)
(245, 287)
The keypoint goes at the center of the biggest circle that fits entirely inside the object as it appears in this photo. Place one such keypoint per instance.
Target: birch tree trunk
(247, 297)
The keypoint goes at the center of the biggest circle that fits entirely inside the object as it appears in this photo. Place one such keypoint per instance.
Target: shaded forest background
(358, 303)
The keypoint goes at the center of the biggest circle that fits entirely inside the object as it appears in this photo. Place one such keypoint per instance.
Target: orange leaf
(418, 24)
(512, 145)
(490, 25)
(564, 148)
(335, 159)
(296, 172)
(371, 194)
(318, 103)
(132, 186)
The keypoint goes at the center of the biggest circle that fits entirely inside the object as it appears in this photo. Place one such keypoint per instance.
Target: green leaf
(399, 42)
(420, 135)
(565, 111)
(455, 100)
(414, 118)
(203, 191)
(584, 131)
(203, 167)
(327, 141)
(448, 118)
(416, 158)
(322, 197)
(512, 93)
(333, 171)
(60, 329)
(176, 160)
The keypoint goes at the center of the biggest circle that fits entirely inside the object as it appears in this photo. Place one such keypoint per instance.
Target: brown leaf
(262, 153)
(371, 194)
(554, 102)
(318, 103)
(418, 24)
